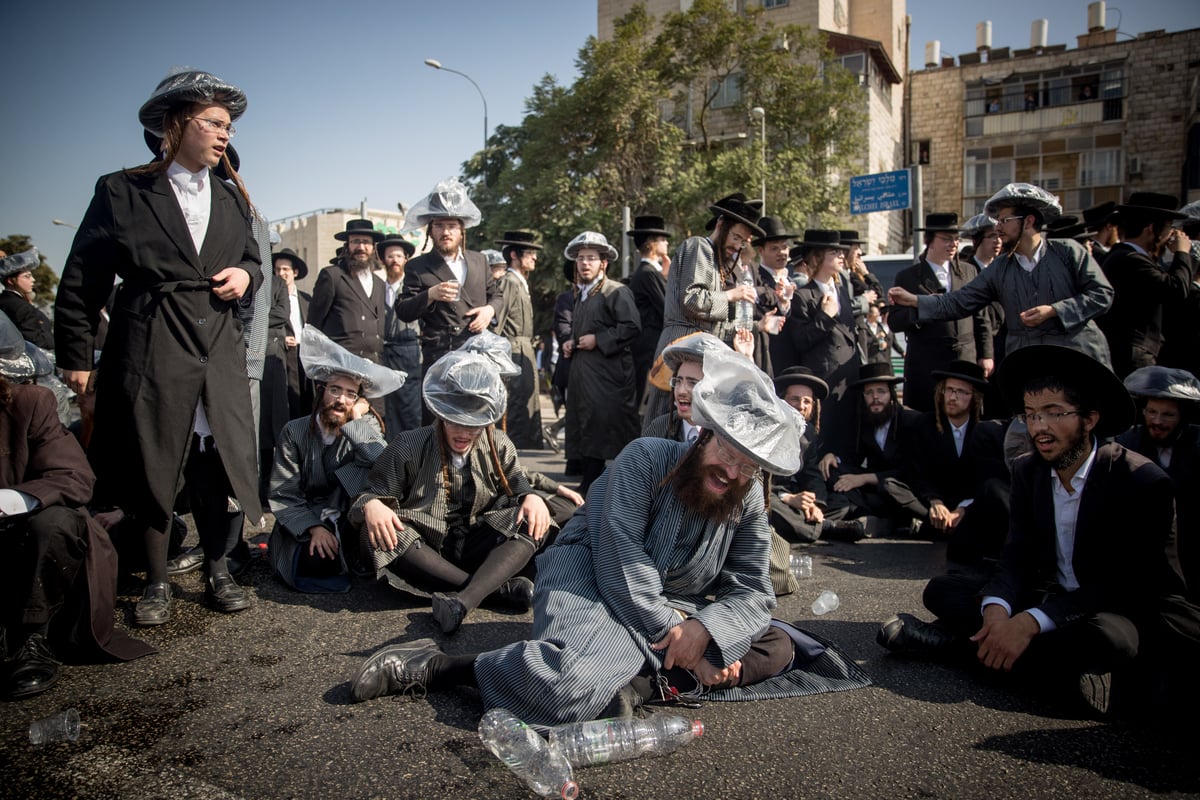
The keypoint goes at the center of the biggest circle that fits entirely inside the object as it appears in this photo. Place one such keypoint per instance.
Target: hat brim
(719, 212)
(344, 236)
(649, 232)
(408, 247)
(820, 388)
(611, 252)
(1150, 211)
(297, 263)
(978, 383)
(521, 245)
(1111, 398)
(889, 379)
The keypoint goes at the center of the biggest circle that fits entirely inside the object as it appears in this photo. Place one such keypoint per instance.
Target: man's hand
(569, 493)
(741, 292)
(322, 543)
(483, 317)
(829, 305)
(711, 676)
(361, 406)
(382, 524)
(1003, 639)
(444, 292)
(586, 342)
(814, 514)
(1035, 316)
(870, 295)
(899, 296)
(1178, 241)
(231, 283)
(684, 644)
(535, 513)
(939, 515)
(76, 380)
(291, 341)
(108, 519)
(827, 463)
(743, 342)
(848, 483)
(568, 347)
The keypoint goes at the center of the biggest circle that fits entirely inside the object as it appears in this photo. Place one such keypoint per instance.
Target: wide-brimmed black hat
(819, 238)
(772, 230)
(155, 143)
(1152, 204)
(942, 222)
(967, 371)
(187, 87)
(524, 240)
(361, 227)
(1085, 374)
(1065, 227)
(851, 237)
(1097, 217)
(737, 208)
(298, 264)
(876, 373)
(648, 225)
(803, 376)
(395, 241)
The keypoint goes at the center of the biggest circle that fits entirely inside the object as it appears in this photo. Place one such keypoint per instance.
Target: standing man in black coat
(930, 345)
(172, 398)
(775, 291)
(449, 289)
(290, 268)
(1141, 289)
(16, 272)
(649, 286)
(348, 300)
(401, 341)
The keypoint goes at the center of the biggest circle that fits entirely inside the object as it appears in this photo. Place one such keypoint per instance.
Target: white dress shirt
(193, 191)
(458, 266)
(941, 272)
(1028, 264)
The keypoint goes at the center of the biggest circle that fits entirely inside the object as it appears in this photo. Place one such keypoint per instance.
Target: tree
(45, 282)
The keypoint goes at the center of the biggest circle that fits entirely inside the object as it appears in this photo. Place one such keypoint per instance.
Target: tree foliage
(636, 129)
(45, 282)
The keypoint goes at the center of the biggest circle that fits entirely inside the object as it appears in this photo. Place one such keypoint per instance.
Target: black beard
(357, 264)
(688, 485)
(329, 423)
(877, 419)
(1073, 453)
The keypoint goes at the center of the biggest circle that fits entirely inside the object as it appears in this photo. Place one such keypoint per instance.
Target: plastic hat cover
(465, 388)
(593, 240)
(495, 347)
(448, 199)
(977, 224)
(15, 363)
(1024, 194)
(1165, 382)
(185, 85)
(323, 358)
(694, 344)
(18, 263)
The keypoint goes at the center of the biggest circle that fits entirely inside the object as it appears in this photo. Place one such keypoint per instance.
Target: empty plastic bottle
(531, 758)
(744, 319)
(606, 740)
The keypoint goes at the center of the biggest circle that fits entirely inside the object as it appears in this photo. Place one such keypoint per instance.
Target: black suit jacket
(649, 288)
(1117, 572)
(342, 311)
(887, 462)
(33, 324)
(934, 470)
(1134, 323)
(444, 325)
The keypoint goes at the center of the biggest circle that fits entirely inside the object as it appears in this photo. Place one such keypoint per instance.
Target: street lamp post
(63, 223)
(760, 114)
(433, 62)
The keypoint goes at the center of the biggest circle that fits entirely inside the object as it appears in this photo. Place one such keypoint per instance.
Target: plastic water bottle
(801, 566)
(531, 758)
(744, 319)
(606, 740)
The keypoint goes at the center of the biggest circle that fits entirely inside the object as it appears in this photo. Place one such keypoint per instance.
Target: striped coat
(616, 580)
(408, 479)
(310, 476)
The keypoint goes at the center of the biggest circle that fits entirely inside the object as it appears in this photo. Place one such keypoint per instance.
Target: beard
(361, 263)
(1080, 444)
(876, 419)
(688, 484)
(333, 416)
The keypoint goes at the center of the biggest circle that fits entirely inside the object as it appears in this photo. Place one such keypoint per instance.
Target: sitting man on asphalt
(684, 357)
(666, 568)
(321, 464)
(448, 509)
(1074, 597)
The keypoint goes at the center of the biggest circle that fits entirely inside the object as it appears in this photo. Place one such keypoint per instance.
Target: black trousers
(790, 523)
(44, 558)
(219, 522)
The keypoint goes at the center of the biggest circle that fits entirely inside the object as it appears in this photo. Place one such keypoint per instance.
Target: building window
(774, 3)
(985, 178)
(1049, 89)
(727, 92)
(1100, 167)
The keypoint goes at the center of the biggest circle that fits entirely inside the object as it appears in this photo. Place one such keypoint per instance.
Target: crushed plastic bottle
(603, 741)
(531, 758)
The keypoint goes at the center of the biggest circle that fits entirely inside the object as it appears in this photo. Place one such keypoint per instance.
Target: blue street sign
(883, 191)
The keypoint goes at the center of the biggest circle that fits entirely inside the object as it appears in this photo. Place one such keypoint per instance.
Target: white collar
(185, 179)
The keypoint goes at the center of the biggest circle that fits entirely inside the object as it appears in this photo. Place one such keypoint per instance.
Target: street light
(64, 224)
(760, 114)
(433, 62)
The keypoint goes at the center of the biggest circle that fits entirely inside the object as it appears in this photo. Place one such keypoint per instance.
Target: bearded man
(348, 300)
(665, 570)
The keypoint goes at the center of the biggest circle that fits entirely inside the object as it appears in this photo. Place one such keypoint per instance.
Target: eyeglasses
(586, 259)
(216, 126)
(730, 459)
(688, 382)
(956, 392)
(1046, 416)
(1006, 220)
(338, 391)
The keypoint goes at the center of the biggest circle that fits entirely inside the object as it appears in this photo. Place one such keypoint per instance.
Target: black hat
(359, 226)
(395, 241)
(803, 376)
(876, 373)
(569, 270)
(941, 223)
(1065, 227)
(337, 255)
(737, 208)
(298, 264)
(851, 237)
(796, 254)
(820, 239)
(772, 230)
(155, 143)
(524, 240)
(1097, 217)
(967, 371)
(648, 225)
(1153, 205)
(1103, 388)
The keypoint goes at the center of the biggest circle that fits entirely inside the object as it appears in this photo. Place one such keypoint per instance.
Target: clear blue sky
(341, 107)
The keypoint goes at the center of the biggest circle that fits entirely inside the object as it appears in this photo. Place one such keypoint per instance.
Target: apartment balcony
(1011, 123)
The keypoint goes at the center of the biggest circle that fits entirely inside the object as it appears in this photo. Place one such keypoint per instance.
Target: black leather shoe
(223, 594)
(33, 669)
(398, 669)
(155, 606)
(517, 592)
(904, 634)
(187, 561)
(449, 611)
(849, 531)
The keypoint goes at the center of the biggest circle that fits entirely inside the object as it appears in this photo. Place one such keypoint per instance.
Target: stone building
(1089, 124)
(869, 38)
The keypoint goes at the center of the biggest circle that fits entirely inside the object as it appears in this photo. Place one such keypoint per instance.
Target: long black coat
(649, 288)
(830, 347)
(932, 345)
(1134, 323)
(342, 311)
(171, 342)
(444, 325)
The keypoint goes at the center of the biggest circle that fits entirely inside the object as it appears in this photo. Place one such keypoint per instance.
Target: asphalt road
(257, 705)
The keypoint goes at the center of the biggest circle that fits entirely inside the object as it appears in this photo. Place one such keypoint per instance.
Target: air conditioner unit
(1135, 165)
